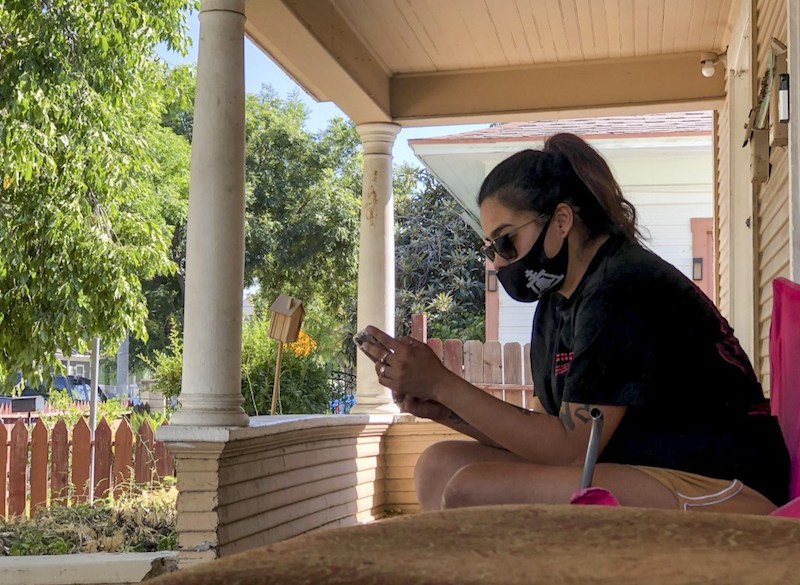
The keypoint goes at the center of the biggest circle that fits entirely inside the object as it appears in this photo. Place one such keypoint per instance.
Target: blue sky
(260, 70)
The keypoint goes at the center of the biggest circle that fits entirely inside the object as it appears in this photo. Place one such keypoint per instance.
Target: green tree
(80, 218)
(439, 268)
(170, 146)
(303, 213)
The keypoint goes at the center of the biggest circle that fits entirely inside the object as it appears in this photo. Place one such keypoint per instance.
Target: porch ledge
(86, 568)
(261, 426)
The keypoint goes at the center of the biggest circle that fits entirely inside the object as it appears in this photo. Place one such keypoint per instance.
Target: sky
(259, 69)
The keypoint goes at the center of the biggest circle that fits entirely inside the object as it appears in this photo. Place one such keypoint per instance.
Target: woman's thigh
(520, 483)
(439, 462)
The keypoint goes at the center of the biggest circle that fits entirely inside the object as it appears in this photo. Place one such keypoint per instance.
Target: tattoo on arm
(581, 413)
(525, 411)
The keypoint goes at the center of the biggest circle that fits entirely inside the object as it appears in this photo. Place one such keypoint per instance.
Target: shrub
(304, 377)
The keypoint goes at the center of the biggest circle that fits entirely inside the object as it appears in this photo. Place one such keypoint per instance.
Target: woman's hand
(424, 408)
(409, 368)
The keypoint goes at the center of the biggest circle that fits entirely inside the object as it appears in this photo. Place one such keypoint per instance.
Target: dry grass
(142, 520)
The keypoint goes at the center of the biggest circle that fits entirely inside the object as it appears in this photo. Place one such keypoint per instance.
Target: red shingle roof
(646, 125)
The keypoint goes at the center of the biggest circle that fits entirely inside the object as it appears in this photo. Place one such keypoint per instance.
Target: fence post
(59, 464)
(39, 440)
(102, 459)
(17, 480)
(123, 456)
(81, 443)
(145, 451)
(419, 327)
(3, 469)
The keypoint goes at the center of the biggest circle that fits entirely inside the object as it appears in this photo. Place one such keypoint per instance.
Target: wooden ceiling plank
(424, 29)
(708, 32)
(386, 29)
(655, 27)
(598, 14)
(612, 20)
(555, 22)
(512, 40)
(586, 29)
(680, 35)
(577, 45)
(538, 31)
(627, 28)
(699, 8)
(668, 30)
(641, 23)
(465, 53)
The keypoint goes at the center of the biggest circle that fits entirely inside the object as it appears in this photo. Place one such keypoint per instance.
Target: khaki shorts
(706, 494)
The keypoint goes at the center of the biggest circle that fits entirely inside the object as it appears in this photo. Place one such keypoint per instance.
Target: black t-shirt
(638, 333)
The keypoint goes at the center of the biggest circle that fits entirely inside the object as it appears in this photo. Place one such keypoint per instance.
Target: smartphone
(363, 337)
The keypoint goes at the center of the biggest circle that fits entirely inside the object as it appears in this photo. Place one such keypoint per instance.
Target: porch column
(210, 389)
(375, 259)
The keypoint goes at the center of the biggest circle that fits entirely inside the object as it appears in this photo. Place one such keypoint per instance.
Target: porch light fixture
(697, 268)
(708, 62)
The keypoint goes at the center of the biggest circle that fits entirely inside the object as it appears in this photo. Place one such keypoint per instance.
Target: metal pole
(591, 452)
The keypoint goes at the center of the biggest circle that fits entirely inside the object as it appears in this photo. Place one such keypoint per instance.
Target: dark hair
(566, 170)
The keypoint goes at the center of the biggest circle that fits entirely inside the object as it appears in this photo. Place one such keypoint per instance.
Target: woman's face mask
(535, 274)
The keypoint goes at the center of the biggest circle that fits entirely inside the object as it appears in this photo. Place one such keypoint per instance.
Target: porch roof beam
(604, 87)
(316, 47)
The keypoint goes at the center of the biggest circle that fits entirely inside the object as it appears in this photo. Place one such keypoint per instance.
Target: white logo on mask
(541, 281)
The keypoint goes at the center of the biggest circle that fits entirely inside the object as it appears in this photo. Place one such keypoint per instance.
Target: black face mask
(535, 274)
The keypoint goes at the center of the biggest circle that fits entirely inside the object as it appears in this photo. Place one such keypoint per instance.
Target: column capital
(225, 5)
(377, 137)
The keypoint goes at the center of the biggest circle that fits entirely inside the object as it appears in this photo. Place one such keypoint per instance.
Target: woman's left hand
(407, 366)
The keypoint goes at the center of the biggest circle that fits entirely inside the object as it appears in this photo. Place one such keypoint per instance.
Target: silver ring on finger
(382, 371)
(385, 355)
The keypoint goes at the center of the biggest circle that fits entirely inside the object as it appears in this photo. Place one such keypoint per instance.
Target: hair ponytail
(604, 208)
(567, 170)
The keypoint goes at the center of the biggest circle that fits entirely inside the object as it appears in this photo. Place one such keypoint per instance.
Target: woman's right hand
(423, 408)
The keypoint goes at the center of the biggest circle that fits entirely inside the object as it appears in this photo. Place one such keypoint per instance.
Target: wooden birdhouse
(287, 316)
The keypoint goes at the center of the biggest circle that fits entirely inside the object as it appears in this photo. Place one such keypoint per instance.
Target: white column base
(209, 409)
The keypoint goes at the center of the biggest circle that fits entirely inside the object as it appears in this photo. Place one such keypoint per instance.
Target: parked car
(77, 388)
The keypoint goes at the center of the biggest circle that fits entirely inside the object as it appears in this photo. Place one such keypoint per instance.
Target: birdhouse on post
(287, 316)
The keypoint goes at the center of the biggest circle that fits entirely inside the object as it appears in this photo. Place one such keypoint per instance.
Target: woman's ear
(564, 218)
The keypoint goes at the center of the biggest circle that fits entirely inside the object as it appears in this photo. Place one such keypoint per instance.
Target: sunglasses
(502, 245)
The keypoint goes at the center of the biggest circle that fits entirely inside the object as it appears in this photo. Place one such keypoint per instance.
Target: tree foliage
(80, 219)
(303, 211)
(439, 268)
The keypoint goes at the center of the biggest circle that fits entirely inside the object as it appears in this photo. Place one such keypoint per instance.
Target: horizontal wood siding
(404, 444)
(724, 209)
(772, 254)
(277, 487)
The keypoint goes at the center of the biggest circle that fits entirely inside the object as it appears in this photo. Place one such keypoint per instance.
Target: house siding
(723, 184)
(772, 198)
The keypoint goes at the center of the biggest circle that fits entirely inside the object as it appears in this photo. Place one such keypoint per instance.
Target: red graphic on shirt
(563, 360)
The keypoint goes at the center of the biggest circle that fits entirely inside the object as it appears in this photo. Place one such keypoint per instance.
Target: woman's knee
(468, 487)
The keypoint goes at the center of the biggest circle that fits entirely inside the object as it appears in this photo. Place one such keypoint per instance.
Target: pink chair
(784, 361)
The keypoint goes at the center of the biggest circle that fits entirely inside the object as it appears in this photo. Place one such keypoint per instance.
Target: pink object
(790, 510)
(784, 361)
(594, 496)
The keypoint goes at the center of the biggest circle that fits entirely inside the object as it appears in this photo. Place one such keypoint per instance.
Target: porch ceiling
(425, 62)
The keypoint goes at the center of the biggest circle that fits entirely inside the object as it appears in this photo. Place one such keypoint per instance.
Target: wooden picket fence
(503, 370)
(53, 469)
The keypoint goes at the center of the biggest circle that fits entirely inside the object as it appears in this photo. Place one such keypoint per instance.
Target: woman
(618, 329)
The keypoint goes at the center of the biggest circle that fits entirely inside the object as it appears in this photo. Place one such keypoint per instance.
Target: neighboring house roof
(461, 161)
(641, 126)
